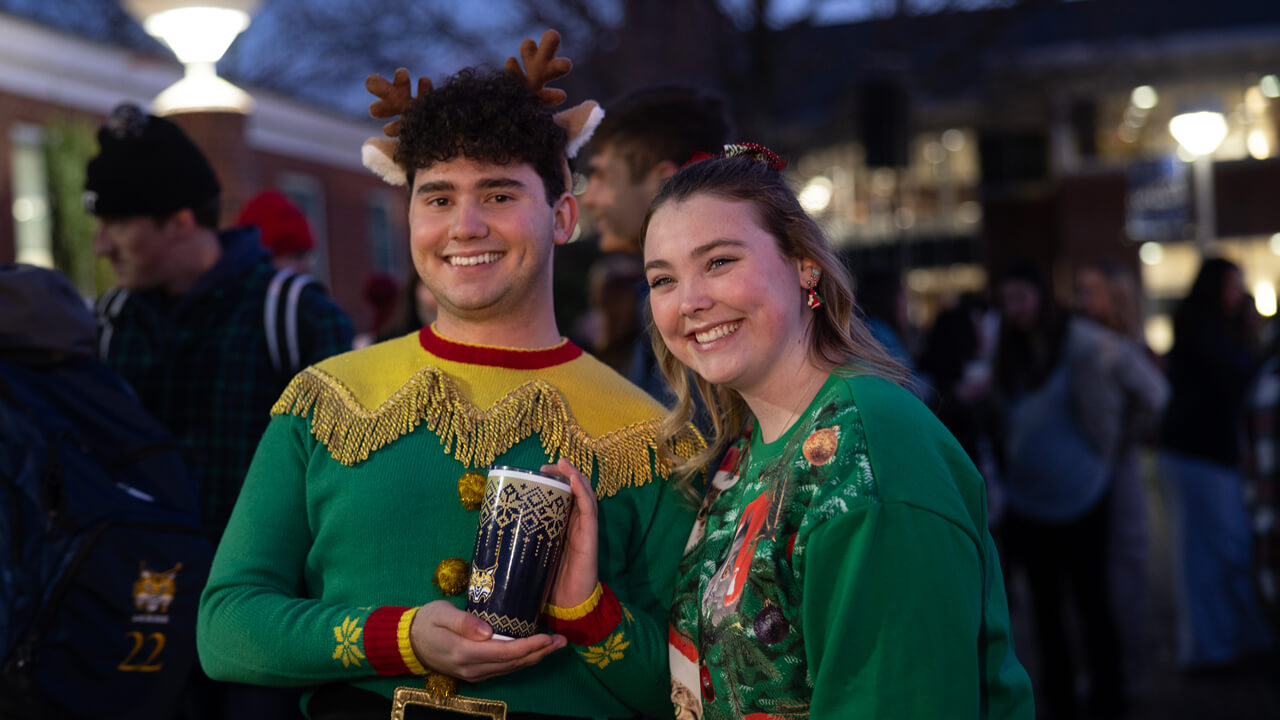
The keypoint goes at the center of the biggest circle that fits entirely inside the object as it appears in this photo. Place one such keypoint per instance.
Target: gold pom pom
(452, 575)
(471, 489)
(440, 686)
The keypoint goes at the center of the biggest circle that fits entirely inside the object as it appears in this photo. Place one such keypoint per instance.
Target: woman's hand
(459, 644)
(579, 571)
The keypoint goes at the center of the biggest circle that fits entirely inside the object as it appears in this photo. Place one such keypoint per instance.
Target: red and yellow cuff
(386, 641)
(588, 623)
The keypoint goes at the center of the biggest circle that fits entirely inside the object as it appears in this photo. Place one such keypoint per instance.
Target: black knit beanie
(146, 165)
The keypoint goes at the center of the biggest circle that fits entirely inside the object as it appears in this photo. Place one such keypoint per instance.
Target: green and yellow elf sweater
(362, 504)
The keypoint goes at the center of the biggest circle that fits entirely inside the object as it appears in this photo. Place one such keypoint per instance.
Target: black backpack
(279, 319)
(104, 558)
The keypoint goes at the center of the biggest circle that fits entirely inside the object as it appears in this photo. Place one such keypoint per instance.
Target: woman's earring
(815, 300)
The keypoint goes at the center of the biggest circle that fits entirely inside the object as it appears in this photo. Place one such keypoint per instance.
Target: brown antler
(393, 97)
(541, 66)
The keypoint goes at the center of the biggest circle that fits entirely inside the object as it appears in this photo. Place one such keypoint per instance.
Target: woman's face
(1093, 298)
(1020, 303)
(726, 301)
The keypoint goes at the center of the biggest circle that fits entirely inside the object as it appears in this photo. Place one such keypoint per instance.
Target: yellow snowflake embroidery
(627, 614)
(602, 655)
(348, 637)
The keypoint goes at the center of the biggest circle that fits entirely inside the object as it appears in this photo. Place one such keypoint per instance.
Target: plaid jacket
(1262, 476)
(200, 364)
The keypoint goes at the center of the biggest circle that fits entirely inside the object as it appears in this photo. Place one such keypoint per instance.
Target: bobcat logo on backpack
(153, 591)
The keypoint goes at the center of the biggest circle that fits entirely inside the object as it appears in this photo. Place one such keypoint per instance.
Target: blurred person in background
(1073, 394)
(612, 324)
(1219, 618)
(956, 362)
(645, 137)
(884, 304)
(1108, 295)
(79, 455)
(380, 294)
(186, 325)
(283, 229)
(415, 309)
(1262, 478)
(883, 301)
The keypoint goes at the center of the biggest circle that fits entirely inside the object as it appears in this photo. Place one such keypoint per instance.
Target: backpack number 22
(139, 640)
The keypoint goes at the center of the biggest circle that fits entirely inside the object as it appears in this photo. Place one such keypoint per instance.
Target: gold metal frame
(405, 696)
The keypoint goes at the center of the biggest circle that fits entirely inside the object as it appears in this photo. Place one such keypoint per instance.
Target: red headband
(751, 151)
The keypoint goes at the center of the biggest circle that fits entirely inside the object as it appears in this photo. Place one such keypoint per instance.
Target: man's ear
(179, 224)
(664, 169)
(565, 216)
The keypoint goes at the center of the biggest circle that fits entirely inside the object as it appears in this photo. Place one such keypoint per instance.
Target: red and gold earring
(815, 300)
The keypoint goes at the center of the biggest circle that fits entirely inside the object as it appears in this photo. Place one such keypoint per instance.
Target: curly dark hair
(489, 116)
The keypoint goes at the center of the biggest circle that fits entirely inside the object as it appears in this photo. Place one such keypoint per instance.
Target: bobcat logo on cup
(153, 592)
(481, 586)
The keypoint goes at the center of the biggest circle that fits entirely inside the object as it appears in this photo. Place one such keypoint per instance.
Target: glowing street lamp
(198, 32)
(816, 195)
(1200, 134)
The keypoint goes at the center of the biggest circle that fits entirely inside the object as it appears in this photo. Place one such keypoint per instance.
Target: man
(186, 325)
(96, 494)
(643, 140)
(345, 561)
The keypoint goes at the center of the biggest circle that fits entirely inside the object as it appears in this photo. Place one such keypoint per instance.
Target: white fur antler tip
(377, 154)
(584, 135)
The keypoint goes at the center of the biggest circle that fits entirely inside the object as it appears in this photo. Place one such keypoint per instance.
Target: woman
(1219, 618)
(841, 565)
(953, 358)
(1108, 295)
(1074, 394)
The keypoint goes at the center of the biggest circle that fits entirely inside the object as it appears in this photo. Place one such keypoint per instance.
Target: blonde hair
(838, 338)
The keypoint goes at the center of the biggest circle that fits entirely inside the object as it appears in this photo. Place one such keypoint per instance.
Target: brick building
(55, 89)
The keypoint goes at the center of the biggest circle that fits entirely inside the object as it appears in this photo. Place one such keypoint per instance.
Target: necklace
(805, 398)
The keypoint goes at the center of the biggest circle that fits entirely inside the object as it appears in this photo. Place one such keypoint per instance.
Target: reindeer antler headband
(540, 67)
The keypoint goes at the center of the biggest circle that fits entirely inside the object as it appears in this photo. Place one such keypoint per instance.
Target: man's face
(617, 201)
(481, 236)
(141, 250)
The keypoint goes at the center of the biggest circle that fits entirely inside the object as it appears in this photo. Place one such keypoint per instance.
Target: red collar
(510, 358)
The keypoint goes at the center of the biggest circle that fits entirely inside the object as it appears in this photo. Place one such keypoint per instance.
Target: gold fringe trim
(475, 437)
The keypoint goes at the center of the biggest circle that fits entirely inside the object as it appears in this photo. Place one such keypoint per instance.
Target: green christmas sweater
(357, 506)
(845, 570)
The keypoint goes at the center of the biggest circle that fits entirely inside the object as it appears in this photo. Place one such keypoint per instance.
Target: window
(308, 194)
(387, 253)
(32, 224)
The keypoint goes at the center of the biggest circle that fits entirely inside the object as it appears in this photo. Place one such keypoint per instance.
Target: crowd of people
(788, 502)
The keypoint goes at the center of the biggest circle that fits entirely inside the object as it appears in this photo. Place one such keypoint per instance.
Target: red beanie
(283, 226)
